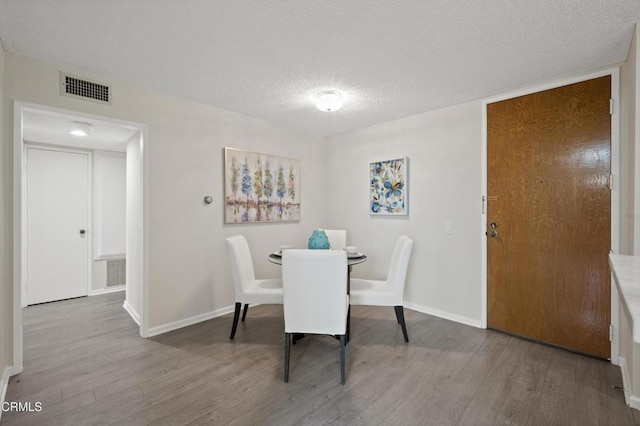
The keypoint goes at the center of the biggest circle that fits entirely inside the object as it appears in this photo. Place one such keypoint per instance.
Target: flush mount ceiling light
(80, 128)
(329, 100)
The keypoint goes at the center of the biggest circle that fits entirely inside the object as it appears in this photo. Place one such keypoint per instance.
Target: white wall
(444, 150)
(109, 204)
(109, 214)
(633, 64)
(188, 270)
(187, 266)
(134, 237)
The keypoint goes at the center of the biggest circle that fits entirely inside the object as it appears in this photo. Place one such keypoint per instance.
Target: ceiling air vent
(85, 89)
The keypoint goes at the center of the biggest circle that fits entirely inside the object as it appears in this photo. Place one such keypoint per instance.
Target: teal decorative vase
(319, 240)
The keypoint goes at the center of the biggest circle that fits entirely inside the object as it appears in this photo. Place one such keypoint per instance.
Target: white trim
(154, 331)
(4, 383)
(144, 131)
(626, 379)
(17, 236)
(18, 258)
(615, 158)
(483, 224)
(615, 161)
(115, 256)
(107, 290)
(444, 315)
(132, 312)
(615, 322)
(634, 402)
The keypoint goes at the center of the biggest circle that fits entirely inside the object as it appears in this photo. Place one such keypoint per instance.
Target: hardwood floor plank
(429, 370)
(50, 412)
(593, 393)
(451, 404)
(556, 402)
(86, 363)
(494, 403)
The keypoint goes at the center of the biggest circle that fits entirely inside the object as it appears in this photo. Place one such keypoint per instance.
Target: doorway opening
(79, 211)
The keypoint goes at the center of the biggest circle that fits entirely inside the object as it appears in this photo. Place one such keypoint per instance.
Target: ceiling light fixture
(329, 100)
(80, 128)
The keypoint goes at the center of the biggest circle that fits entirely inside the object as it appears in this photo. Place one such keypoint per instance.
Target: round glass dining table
(351, 259)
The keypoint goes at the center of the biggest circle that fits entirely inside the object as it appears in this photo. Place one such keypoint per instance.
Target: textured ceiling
(267, 58)
(53, 128)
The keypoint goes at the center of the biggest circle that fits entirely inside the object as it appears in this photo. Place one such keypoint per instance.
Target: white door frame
(89, 155)
(18, 208)
(615, 168)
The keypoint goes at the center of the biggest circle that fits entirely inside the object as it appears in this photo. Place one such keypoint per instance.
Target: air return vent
(84, 89)
(116, 272)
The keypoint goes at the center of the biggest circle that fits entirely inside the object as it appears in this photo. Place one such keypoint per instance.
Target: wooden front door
(549, 216)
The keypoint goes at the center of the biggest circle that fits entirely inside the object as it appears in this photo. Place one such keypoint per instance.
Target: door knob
(82, 232)
(494, 234)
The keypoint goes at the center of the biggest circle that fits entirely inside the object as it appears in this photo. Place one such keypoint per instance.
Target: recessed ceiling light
(329, 100)
(80, 128)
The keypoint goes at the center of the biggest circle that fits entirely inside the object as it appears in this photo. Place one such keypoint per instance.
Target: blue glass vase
(319, 240)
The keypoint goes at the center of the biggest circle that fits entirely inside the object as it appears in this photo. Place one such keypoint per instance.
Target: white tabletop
(626, 272)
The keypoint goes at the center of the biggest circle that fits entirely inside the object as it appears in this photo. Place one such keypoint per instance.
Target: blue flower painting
(260, 187)
(389, 187)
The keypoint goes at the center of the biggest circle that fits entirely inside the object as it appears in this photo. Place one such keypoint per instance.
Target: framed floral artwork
(260, 187)
(389, 189)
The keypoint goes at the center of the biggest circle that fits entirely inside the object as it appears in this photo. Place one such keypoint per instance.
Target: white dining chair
(388, 292)
(315, 297)
(337, 238)
(248, 289)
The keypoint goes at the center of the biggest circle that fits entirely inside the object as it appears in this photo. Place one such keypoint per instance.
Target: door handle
(82, 232)
(494, 233)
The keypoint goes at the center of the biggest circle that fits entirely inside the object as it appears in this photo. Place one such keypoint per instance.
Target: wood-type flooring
(87, 365)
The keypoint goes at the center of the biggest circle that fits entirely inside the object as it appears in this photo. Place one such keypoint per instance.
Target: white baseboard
(108, 290)
(154, 331)
(634, 402)
(445, 315)
(132, 312)
(6, 373)
(626, 379)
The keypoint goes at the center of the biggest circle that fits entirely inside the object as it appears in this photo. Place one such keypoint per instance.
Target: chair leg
(343, 342)
(236, 315)
(287, 351)
(400, 316)
(244, 313)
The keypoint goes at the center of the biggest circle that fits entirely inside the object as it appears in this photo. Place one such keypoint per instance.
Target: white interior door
(57, 217)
